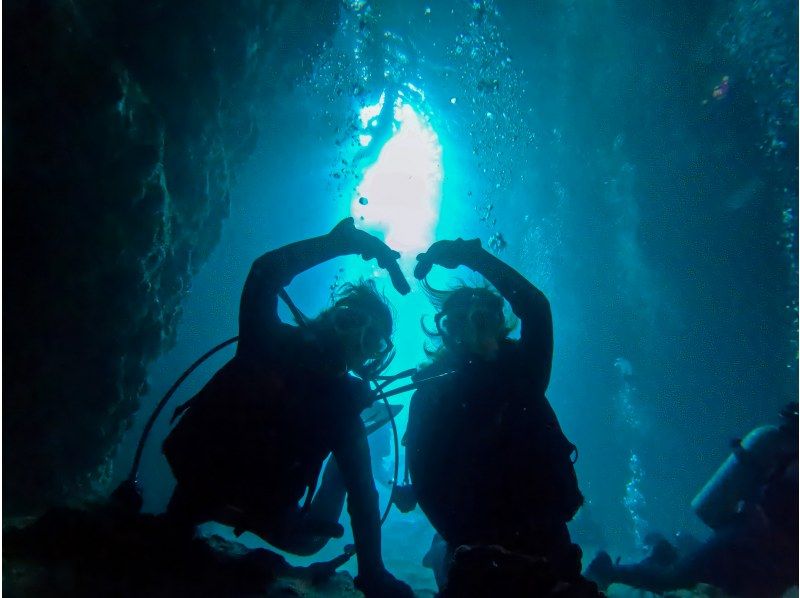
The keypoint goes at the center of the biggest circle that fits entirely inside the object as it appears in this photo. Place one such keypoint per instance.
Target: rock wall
(124, 123)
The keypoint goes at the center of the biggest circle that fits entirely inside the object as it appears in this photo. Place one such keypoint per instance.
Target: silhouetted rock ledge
(103, 551)
(70, 552)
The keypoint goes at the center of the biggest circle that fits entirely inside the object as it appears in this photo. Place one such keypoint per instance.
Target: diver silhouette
(487, 458)
(751, 503)
(253, 441)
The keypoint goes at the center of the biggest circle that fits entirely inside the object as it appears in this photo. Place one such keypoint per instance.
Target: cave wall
(124, 124)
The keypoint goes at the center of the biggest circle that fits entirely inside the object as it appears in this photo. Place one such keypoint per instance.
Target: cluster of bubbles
(497, 128)
(634, 500)
(761, 36)
(543, 237)
(538, 246)
(364, 61)
(332, 86)
(338, 280)
(640, 286)
(360, 65)
(789, 241)
(485, 212)
(624, 398)
(497, 242)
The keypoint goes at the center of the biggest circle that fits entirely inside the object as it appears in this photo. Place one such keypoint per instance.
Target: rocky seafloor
(105, 551)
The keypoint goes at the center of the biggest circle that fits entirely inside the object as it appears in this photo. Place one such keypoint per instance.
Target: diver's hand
(448, 254)
(383, 584)
(351, 239)
(601, 570)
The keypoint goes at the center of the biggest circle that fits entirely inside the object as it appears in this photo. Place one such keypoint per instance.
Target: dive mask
(482, 317)
(354, 322)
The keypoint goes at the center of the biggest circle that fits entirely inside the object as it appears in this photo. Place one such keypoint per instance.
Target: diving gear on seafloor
(739, 477)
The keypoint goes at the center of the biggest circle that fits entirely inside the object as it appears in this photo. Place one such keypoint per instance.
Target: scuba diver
(487, 459)
(253, 441)
(751, 504)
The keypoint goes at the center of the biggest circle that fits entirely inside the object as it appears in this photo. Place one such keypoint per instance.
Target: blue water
(596, 147)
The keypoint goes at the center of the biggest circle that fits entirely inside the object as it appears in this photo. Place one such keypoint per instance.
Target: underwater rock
(69, 552)
(124, 125)
(701, 590)
(495, 571)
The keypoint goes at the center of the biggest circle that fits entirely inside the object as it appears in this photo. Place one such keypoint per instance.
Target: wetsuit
(486, 453)
(253, 440)
(755, 554)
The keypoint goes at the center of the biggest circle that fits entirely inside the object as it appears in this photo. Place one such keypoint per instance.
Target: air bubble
(497, 242)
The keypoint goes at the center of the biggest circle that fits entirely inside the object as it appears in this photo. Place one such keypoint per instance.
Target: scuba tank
(741, 475)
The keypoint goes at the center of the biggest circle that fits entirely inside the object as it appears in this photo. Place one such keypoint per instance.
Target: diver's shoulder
(439, 363)
(423, 371)
(271, 339)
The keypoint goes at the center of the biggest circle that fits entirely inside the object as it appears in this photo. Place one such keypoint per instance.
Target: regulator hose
(131, 480)
(388, 508)
(163, 402)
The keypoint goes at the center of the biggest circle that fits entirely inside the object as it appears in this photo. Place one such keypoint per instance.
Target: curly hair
(459, 298)
(364, 294)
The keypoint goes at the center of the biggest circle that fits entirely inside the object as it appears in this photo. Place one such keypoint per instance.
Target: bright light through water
(399, 197)
(400, 193)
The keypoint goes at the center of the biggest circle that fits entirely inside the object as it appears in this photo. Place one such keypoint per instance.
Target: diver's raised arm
(258, 309)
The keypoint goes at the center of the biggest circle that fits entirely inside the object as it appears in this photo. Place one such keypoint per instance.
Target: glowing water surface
(403, 187)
